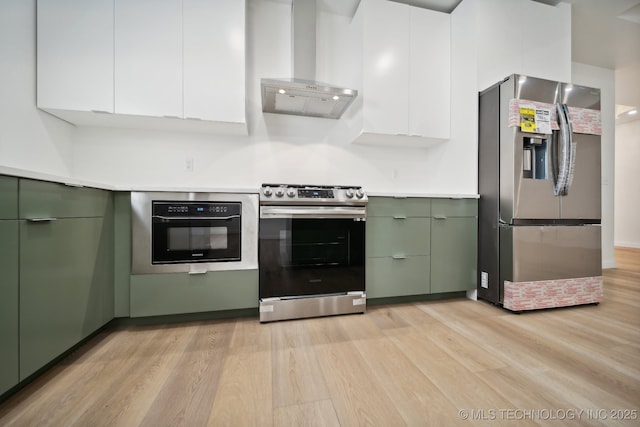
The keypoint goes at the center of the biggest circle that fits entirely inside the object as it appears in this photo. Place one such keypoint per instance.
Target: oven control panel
(292, 194)
(182, 209)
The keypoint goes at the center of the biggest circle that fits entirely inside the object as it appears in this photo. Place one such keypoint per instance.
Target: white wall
(627, 195)
(29, 139)
(586, 75)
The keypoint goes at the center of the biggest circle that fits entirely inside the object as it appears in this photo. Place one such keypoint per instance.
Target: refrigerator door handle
(561, 183)
(572, 149)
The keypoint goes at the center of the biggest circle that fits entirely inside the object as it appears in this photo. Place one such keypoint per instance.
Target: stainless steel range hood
(302, 95)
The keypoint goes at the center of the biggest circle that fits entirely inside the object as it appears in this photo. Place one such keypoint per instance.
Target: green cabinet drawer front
(453, 254)
(8, 197)
(390, 206)
(454, 207)
(40, 199)
(180, 293)
(389, 277)
(389, 236)
(66, 286)
(9, 240)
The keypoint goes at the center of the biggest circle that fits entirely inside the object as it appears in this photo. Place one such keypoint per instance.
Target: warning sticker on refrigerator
(543, 120)
(527, 118)
(535, 119)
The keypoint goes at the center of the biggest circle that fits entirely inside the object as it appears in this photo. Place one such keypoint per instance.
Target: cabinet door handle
(41, 219)
(399, 256)
(399, 217)
(440, 217)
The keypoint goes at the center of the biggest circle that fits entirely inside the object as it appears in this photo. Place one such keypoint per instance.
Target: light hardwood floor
(429, 363)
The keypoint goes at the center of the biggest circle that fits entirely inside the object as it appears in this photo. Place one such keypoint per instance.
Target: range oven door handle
(312, 212)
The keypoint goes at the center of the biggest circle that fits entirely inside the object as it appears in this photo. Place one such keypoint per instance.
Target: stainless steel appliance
(311, 251)
(539, 185)
(303, 95)
(193, 232)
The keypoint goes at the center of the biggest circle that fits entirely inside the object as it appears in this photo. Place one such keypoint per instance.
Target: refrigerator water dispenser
(534, 161)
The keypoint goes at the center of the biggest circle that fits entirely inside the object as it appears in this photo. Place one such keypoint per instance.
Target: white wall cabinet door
(429, 74)
(214, 60)
(148, 57)
(406, 66)
(75, 55)
(386, 67)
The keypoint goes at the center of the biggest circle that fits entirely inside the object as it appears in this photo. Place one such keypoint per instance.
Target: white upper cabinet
(430, 74)
(214, 60)
(385, 77)
(75, 55)
(405, 74)
(148, 57)
(151, 63)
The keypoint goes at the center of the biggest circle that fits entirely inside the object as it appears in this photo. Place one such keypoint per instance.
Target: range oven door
(191, 232)
(305, 252)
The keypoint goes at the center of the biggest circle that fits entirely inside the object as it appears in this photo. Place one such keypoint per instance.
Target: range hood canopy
(302, 95)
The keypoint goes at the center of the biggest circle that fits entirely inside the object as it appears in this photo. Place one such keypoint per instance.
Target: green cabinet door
(392, 277)
(399, 207)
(397, 236)
(41, 199)
(453, 254)
(8, 304)
(66, 286)
(8, 197)
(181, 293)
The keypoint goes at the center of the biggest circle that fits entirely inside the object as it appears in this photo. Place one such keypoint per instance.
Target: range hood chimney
(302, 95)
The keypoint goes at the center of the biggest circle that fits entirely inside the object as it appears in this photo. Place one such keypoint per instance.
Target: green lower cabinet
(392, 277)
(453, 254)
(9, 341)
(8, 197)
(180, 293)
(392, 236)
(66, 286)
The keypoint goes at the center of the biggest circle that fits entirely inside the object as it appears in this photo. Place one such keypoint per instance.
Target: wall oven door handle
(312, 212)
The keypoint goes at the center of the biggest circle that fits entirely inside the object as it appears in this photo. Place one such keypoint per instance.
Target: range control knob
(267, 191)
(280, 192)
(349, 193)
(291, 192)
(359, 193)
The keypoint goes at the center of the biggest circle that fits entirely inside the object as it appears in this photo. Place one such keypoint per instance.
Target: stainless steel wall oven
(193, 232)
(311, 251)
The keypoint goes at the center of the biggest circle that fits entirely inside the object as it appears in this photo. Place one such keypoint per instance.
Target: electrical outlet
(189, 164)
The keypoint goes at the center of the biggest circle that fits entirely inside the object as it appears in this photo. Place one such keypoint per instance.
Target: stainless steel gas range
(311, 251)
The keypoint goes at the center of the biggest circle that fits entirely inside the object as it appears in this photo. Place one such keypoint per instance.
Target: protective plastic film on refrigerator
(539, 243)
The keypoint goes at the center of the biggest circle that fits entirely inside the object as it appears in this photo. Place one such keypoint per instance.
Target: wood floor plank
(128, 400)
(297, 377)
(244, 396)
(312, 414)
(459, 385)
(459, 348)
(357, 398)
(189, 391)
(418, 400)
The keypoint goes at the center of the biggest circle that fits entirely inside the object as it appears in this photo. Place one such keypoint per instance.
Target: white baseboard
(618, 244)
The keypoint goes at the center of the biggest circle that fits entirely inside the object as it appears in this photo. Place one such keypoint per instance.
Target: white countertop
(22, 173)
(400, 195)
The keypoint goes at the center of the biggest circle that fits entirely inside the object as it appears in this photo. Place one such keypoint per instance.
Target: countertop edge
(399, 195)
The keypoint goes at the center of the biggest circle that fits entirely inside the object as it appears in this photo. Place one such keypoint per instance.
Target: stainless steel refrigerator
(540, 193)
